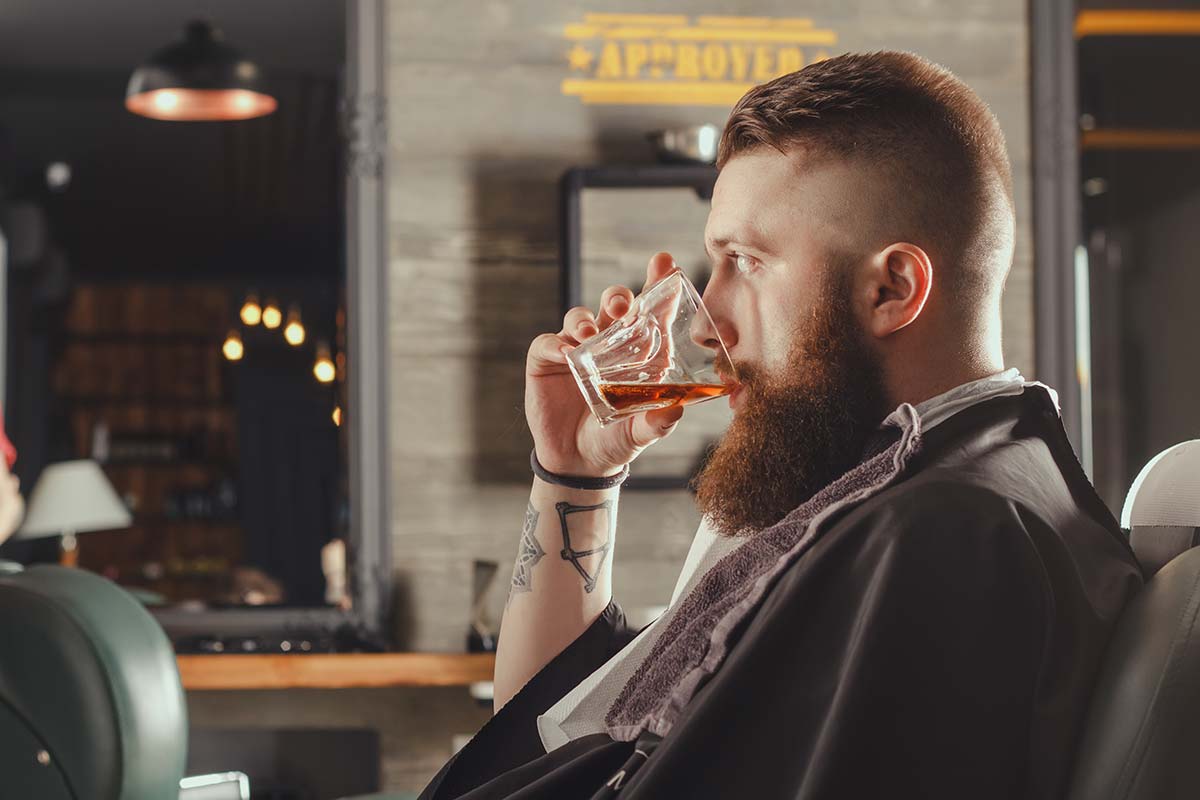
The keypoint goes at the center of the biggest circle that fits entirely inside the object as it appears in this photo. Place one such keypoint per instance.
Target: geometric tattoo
(570, 554)
(529, 553)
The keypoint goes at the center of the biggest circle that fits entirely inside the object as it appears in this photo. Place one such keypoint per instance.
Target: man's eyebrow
(714, 244)
(747, 238)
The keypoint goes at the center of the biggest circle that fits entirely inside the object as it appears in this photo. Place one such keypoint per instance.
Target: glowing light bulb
(251, 312)
(294, 332)
(233, 348)
(337, 415)
(323, 369)
(166, 100)
(271, 315)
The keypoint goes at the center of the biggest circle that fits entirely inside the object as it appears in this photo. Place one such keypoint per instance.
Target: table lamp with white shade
(72, 497)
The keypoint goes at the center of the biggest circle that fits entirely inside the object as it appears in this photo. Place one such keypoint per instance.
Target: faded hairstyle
(935, 141)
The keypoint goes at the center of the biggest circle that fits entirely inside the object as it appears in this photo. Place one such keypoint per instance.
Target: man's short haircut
(935, 137)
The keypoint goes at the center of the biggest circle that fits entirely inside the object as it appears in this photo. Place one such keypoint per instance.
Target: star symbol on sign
(579, 57)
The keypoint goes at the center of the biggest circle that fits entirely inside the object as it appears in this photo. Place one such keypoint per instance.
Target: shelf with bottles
(205, 341)
(159, 519)
(159, 439)
(88, 370)
(148, 402)
(141, 308)
(158, 498)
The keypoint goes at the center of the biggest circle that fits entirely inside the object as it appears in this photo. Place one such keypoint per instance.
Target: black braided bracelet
(576, 481)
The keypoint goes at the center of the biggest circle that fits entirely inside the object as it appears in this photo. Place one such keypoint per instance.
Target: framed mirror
(200, 307)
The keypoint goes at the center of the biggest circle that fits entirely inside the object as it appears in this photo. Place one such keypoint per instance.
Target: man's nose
(711, 328)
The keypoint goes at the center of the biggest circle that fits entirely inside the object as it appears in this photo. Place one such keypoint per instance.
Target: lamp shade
(198, 79)
(72, 497)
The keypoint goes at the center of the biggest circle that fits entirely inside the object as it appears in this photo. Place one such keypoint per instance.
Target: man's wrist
(577, 481)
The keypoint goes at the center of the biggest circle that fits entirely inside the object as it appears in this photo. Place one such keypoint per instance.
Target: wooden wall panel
(479, 134)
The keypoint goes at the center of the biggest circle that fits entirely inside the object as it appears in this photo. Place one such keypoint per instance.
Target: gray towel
(696, 639)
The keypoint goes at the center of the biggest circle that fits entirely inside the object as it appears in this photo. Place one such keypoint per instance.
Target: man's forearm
(561, 581)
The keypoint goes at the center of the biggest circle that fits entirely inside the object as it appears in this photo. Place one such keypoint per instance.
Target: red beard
(798, 431)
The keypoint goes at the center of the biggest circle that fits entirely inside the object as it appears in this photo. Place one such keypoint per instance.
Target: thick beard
(798, 431)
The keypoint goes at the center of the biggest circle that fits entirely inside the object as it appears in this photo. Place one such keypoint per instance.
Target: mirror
(185, 306)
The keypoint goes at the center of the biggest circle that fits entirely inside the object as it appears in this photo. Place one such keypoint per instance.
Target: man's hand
(568, 438)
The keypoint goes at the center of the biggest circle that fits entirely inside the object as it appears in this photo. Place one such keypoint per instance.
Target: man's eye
(744, 263)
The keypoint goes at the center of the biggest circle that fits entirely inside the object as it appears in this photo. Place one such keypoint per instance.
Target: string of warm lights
(269, 315)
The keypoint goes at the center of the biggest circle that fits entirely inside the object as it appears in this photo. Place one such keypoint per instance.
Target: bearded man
(903, 582)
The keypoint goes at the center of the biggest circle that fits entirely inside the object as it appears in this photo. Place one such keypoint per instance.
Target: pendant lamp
(200, 78)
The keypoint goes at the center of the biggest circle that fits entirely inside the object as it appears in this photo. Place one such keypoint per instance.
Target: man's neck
(916, 388)
(932, 358)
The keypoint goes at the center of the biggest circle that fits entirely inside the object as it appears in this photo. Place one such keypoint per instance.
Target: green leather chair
(91, 707)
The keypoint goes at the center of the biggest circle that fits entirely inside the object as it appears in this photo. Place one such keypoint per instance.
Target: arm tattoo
(572, 555)
(528, 554)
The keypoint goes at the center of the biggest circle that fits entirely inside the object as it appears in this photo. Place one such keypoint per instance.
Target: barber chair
(91, 707)
(1139, 741)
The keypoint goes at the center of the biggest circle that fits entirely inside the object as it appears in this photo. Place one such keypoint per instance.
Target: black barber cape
(939, 640)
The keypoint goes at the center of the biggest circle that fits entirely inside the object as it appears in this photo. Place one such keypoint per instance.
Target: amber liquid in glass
(630, 398)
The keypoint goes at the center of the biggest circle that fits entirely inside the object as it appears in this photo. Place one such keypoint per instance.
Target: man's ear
(898, 280)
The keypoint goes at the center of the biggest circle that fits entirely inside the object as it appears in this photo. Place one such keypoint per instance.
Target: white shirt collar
(1001, 384)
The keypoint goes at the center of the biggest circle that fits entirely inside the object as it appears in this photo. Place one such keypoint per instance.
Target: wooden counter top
(333, 671)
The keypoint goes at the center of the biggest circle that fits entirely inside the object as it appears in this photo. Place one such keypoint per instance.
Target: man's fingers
(580, 323)
(613, 304)
(548, 349)
(661, 265)
(649, 427)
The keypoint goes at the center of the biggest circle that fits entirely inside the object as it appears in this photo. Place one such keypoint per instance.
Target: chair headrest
(1162, 509)
(92, 677)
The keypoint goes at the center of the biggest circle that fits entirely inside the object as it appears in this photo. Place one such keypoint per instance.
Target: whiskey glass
(653, 356)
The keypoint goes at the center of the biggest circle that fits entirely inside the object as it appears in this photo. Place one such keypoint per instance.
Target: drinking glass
(652, 356)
